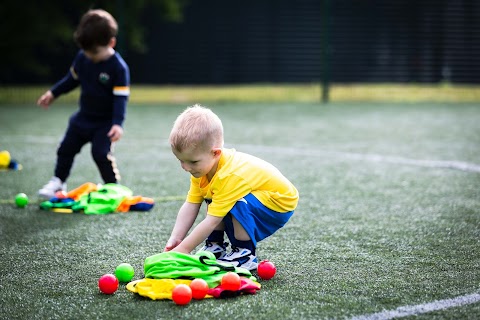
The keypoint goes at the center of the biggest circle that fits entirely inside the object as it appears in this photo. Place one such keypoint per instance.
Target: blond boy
(247, 198)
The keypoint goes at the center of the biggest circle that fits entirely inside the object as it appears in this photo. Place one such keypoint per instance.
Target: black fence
(295, 41)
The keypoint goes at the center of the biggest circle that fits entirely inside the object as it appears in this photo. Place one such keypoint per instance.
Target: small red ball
(182, 294)
(231, 281)
(199, 288)
(266, 270)
(108, 283)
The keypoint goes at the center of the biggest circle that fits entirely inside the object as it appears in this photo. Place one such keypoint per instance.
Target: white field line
(421, 308)
(447, 164)
(453, 164)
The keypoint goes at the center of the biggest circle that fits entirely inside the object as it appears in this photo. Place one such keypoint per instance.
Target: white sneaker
(218, 250)
(55, 184)
(241, 257)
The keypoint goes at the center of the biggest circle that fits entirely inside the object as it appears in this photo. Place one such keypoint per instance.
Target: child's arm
(121, 92)
(199, 234)
(185, 219)
(66, 84)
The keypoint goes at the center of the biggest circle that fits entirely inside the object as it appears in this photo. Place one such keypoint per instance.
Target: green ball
(21, 200)
(124, 272)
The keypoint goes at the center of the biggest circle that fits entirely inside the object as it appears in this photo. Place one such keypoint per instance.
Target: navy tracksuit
(103, 100)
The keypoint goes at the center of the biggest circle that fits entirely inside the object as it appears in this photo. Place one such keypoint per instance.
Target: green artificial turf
(389, 212)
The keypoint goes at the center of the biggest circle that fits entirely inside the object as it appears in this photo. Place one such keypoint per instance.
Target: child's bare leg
(239, 231)
(242, 239)
(243, 249)
(220, 227)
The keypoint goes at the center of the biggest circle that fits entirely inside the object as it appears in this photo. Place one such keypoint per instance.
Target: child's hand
(115, 133)
(46, 99)
(171, 244)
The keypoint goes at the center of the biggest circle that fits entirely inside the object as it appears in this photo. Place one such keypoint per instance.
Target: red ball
(231, 281)
(182, 294)
(266, 270)
(199, 288)
(108, 283)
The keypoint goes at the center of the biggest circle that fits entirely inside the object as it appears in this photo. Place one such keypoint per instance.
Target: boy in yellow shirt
(247, 198)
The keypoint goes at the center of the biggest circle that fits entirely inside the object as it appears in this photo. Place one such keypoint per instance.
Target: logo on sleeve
(103, 77)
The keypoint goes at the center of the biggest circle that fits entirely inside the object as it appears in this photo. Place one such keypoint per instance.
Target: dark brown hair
(96, 28)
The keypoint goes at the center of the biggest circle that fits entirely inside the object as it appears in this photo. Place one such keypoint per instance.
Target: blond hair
(198, 128)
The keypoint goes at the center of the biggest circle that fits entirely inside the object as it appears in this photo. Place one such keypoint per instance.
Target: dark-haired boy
(104, 79)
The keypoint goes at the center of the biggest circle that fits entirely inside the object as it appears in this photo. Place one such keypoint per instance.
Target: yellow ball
(4, 159)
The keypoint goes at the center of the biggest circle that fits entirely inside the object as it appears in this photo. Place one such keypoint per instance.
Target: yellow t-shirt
(239, 174)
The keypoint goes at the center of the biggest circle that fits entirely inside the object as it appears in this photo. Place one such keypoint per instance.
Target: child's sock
(248, 244)
(216, 236)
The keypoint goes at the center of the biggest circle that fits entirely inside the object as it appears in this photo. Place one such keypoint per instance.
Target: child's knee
(65, 149)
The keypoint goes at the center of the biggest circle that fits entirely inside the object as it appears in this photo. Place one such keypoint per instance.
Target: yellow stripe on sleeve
(121, 91)
(74, 74)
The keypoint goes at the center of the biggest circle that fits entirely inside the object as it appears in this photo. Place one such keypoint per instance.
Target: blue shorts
(259, 221)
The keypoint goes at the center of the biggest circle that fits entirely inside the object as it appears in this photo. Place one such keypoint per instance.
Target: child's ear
(113, 42)
(217, 152)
